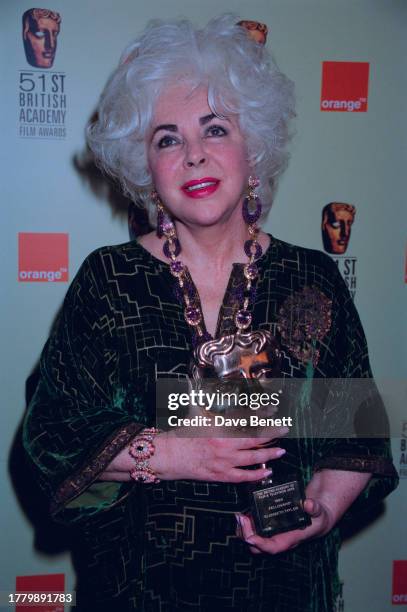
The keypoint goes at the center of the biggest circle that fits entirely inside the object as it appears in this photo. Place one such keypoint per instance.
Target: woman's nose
(192, 162)
(195, 156)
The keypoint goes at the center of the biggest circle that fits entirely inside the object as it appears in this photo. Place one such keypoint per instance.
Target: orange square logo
(46, 587)
(345, 86)
(399, 596)
(42, 258)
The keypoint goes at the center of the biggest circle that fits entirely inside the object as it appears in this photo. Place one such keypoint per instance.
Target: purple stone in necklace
(172, 249)
(193, 315)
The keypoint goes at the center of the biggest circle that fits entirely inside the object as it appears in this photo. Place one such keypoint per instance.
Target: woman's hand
(328, 496)
(209, 459)
(214, 459)
(322, 522)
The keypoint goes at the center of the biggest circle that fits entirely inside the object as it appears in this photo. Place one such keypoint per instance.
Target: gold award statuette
(239, 363)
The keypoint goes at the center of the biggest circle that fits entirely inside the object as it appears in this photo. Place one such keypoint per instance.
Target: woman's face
(198, 162)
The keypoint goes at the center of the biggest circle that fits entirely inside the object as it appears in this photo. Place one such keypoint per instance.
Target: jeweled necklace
(251, 212)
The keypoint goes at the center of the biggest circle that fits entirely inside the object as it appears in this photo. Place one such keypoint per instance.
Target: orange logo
(46, 587)
(42, 257)
(399, 596)
(345, 86)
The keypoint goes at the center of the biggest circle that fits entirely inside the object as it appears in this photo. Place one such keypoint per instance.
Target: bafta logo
(337, 221)
(40, 33)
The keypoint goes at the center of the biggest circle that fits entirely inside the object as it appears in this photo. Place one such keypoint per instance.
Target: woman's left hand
(322, 522)
(328, 495)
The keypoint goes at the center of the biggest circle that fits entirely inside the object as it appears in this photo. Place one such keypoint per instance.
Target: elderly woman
(194, 124)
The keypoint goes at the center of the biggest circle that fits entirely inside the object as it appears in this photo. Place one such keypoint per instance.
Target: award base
(276, 505)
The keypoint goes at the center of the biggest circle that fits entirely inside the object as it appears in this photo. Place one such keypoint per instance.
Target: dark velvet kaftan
(172, 546)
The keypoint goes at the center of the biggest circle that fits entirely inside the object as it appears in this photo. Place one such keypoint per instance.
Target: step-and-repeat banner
(343, 193)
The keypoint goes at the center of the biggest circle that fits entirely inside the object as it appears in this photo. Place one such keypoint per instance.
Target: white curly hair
(241, 77)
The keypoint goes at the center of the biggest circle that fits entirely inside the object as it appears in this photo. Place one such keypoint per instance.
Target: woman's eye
(166, 141)
(216, 130)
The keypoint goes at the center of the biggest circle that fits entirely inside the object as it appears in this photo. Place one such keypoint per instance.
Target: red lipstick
(200, 188)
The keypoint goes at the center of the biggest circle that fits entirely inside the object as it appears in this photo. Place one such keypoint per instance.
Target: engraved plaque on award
(276, 503)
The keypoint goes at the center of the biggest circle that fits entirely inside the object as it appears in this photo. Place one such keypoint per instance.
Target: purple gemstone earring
(251, 216)
(164, 223)
(165, 227)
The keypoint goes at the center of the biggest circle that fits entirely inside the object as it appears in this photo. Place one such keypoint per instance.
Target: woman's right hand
(214, 459)
(210, 459)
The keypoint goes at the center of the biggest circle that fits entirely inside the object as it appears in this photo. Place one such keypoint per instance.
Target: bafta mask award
(246, 364)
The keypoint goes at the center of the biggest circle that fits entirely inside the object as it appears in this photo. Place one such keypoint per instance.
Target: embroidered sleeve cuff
(376, 465)
(80, 491)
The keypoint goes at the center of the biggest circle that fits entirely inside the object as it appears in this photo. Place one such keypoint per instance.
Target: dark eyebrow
(206, 119)
(169, 127)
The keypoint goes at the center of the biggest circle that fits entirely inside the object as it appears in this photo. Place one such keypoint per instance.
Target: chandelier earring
(164, 221)
(252, 204)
